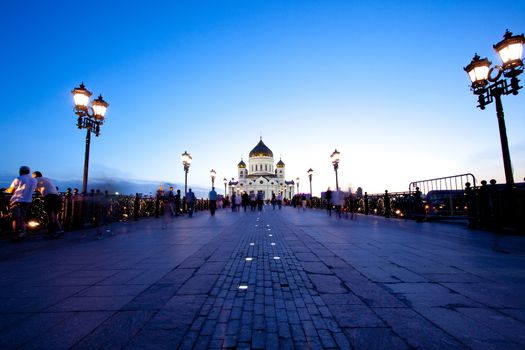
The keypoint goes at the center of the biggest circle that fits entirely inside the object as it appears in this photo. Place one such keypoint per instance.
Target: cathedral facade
(261, 174)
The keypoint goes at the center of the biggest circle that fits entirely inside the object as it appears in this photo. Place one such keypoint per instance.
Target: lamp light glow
(81, 96)
(510, 50)
(99, 108)
(478, 71)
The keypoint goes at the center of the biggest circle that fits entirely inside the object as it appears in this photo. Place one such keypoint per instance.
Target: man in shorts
(22, 189)
(52, 203)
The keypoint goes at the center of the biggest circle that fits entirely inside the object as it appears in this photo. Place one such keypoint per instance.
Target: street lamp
(212, 175)
(225, 180)
(186, 162)
(490, 87)
(335, 157)
(89, 118)
(297, 180)
(310, 173)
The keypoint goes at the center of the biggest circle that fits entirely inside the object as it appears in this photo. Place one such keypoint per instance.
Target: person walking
(234, 201)
(177, 203)
(260, 200)
(245, 200)
(328, 196)
(238, 202)
(213, 201)
(253, 201)
(280, 200)
(274, 200)
(22, 189)
(52, 203)
(190, 201)
(171, 202)
(338, 201)
(303, 202)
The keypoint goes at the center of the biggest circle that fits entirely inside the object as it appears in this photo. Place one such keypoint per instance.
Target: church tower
(280, 170)
(242, 171)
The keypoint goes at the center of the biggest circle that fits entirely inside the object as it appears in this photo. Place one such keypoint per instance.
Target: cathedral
(262, 175)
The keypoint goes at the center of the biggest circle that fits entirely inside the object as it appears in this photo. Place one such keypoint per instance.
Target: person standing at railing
(213, 201)
(190, 201)
(136, 207)
(177, 203)
(386, 204)
(52, 203)
(418, 202)
(171, 201)
(22, 189)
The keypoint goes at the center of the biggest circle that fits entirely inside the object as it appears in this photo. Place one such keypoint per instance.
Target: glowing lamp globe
(478, 71)
(186, 158)
(81, 97)
(99, 107)
(510, 50)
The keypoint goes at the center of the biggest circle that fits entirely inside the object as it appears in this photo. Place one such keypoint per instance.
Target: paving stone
(327, 284)
(259, 340)
(417, 331)
(316, 267)
(68, 332)
(356, 316)
(110, 303)
(116, 331)
(498, 322)
(30, 328)
(468, 330)
(430, 294)
(200, 284)
(517, 314)
(374, 339)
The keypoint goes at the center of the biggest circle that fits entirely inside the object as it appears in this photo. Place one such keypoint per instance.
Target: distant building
(262, 175)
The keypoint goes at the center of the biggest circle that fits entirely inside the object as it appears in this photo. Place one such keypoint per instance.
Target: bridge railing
(78, 210)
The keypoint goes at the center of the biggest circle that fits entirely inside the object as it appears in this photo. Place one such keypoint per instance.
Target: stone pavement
(277, 280)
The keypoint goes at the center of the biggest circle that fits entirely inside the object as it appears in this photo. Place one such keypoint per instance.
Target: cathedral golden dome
(261, 150)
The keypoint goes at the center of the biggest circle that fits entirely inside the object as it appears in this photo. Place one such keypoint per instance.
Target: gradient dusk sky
(381, 81)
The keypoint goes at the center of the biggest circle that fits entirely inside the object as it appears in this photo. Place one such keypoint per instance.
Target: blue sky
(381, 81)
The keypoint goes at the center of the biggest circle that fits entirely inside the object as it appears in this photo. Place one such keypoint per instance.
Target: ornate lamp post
(186, 162)
(297, 180)
(225, 180)
(335, 157)
(89, 118)
(213, 173)
(310, 173)
(490, 83)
